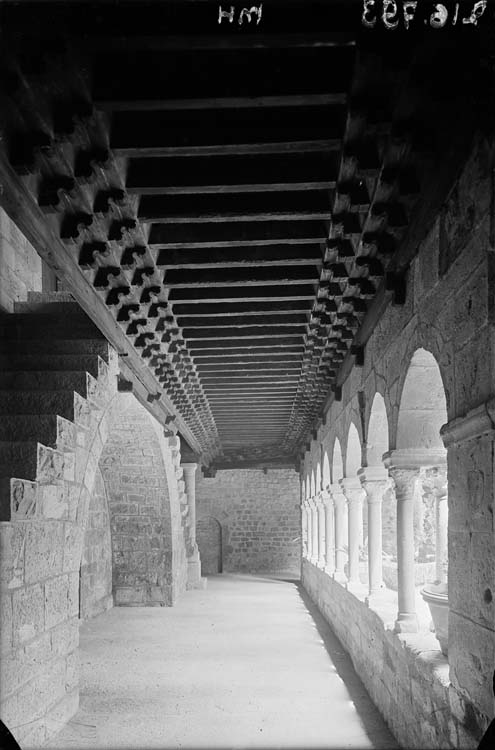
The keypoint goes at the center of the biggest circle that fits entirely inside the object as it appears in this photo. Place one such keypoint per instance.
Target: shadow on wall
(209, 540)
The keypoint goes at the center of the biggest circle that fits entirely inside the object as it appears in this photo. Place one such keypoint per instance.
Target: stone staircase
(54, 367)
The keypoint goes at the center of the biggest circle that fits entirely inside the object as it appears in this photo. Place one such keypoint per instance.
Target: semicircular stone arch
(147, 567)
(353, 452)
(378, 440)
(317, 477)
(337, 462)
(326, 474)
(423, 405)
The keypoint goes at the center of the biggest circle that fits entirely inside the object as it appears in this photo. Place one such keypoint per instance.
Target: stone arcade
(247, 280)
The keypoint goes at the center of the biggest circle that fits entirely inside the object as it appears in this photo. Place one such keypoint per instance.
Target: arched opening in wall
(378, 443)
(354, 493)
(341, 531)
(422, 412)
(326, 475)
(131, 504)
(337, 462)
(209, 540)
(317, 477)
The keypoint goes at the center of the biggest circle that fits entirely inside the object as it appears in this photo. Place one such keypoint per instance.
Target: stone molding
(414, 458)
(477, 422)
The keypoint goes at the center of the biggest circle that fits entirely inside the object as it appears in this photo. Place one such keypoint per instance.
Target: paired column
(340, 516)
(404, 467)
(320, 509)
(354, 493)
(304, 529)
(309, 517)
(193, 559)
(441, 530)
(375, 482)
(327, 500)
(314, 530)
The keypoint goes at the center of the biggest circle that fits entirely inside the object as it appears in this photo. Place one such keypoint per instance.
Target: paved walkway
(246, 663)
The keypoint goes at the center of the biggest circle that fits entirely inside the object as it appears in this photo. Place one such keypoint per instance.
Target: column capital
(352, 488)
(326, 497)
(336, 491)
(190, 466)
(414, 458)
(375, 481)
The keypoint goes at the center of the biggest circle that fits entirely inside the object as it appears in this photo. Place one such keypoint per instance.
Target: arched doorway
(209, 540)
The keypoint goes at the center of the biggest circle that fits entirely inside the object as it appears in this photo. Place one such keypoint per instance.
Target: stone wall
(41, 551)
(448, 312)
(95, 595)
(20, 265)
(259, 516)
(406, 676)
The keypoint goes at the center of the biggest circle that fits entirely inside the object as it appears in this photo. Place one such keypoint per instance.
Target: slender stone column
(354, 493)
(193, 559)
(309, 515)
(321, 530)
(441, 530)
(314, 530)
(304, 530)
(375, 482)
(340, 505)
(327, 499)
(404, 467)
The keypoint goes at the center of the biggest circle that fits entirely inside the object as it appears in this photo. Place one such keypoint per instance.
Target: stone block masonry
(96, 564)
(140, 520)
(20, 265)
(259, 518)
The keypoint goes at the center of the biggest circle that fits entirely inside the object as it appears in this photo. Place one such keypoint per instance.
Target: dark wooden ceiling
(243, 199)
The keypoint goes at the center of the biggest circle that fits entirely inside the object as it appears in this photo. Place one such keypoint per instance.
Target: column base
(340, 577)
(194, 578)
(406, 623)
(354, 586)
(321, 564)
(328, 569)
(313, 560)
(375, 597)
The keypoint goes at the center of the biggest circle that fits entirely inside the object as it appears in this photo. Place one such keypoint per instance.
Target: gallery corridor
(248, 662)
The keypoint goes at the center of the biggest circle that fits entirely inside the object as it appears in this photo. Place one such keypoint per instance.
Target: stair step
(44, 380)
(29, 428)
(37, 403)
(32, 325)
(18, 459)
(48, 303)
(56, 347)
(31, 460)
(56, 362)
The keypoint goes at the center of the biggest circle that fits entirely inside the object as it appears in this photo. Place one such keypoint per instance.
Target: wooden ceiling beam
(230, 234)
(226, 278)
(242, 293)
(230, 207)
(254, 307)
(328, 98)
(234, 149)
(288, 319)
(234, 174)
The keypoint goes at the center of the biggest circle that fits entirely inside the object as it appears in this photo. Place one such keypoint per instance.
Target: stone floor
(248, 662)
